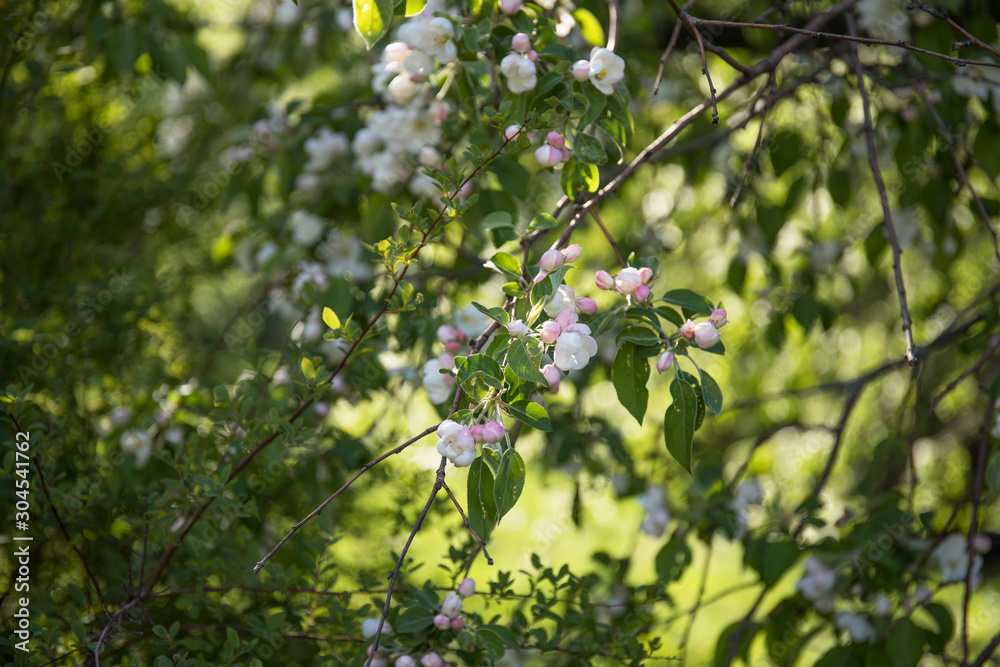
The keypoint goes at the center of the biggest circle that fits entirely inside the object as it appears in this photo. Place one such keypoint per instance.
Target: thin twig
(609, 237)
(943, 15)
(438, 483)
(670, 47)
(991, 349)
(911, 357)
(465, 520)
(365, 468)
(946, 134)
(684, 18)
(760, 135)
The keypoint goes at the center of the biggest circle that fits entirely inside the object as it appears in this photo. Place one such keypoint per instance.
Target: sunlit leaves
(629, 374)
(372, 19)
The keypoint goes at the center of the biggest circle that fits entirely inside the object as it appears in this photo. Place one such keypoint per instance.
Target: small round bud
(511, 131)
(438, 111)
(581, 70)
(641, 293)
(552, 376)
(532, 56)
(627, 280)
(555, 139)
(572, 252)
(586, 305)
(493, 433)
(646, 275)
(477, 433)
(442, 622)
(604, 280)
(718, 318)
(665, 361)
(521, 43)
(551, 260)
(457, 623)
(431, 660)
(468, 586)
(405, 661)
(548, 156)
(687, 329)
(982, 543)
(517, 328)
(510, 7)
(550, 332)
(706, 335)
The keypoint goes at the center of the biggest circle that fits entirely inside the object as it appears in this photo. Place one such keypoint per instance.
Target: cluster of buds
(449, 618)
(553, 151)
(630, 282)
(553, 260)
(452, 338)
(705, 334)
(457, 442)
(519, 65)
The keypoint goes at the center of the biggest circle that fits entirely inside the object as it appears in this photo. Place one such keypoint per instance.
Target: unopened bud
(604, 280)
(551, 260)
(586, 305)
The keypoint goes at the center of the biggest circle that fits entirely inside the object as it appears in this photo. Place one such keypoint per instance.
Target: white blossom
(520, 72)
(306, 228)
(470, 321)
(857, 626)
(432, 35)
(884, 19)
(437, 384)
(564, 298)
(452, 605)
(606, 69)
(952, 556)
(574, 348)
(816, 585)
(369, 627)
(324, 148)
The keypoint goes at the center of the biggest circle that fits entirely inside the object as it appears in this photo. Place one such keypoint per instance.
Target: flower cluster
(952, 557)
(518, 66)
(457, 442)
(604, 70)
(630, 282)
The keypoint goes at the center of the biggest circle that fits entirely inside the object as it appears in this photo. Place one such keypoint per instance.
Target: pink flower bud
(452, 346)
(511, 131)
(718, 318)
(586, 305)
(551, 260)
(641, 293)
(706, 335)
(510, 7)
(457, 623)
(477, 433)
(627, 280)
(646, 275)
(517, 328)
(532, 56)
(493, 433)
(521, 43)
(581, 70)
(446, 333)
(548, 156)
(438, 111)
(687, 329)
(566, 318)
(665, 361)
(442, 622)
(982, 543)
(604, 280)
(552, 376)
(572, 252)
(405, 661)
(468, 586)
(555, 139)
(550, 332)
(431, 660)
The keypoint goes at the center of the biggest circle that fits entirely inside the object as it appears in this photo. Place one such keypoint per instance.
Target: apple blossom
(493, 433)
(533, 55)
(369, 627)
(521, 43)
(549, 332)
(551, 260)
(706, 335)
(552, 376)
(468, 586)
(432, 35)
(452, 605)
(581, 70)
(641, 293)
(324, 148)
(816, 585)
(565, 318)
(687, 329)
(627, 280)
(952, 557)
(447, 333)
(574, 348)
(718, 318)
(520, 72)
(606, 69)
(456, 443)
(646, 275)
(517, 329)
(604, 280)
(442, 622)
(665, 361)
(586, 305)
(564, 298)
(572, 252)
(431, 660)
(405, 661)
(437, 384)
(379, 660)
(457, 623)
(856, 625)
(548, 156)
(510, 7)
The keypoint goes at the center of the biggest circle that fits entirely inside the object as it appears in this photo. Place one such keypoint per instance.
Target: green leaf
(503, 633)
(81, 632)
(530, 413)
(679, 423)
(505, 263)
(672, 560)
(946, 626)
(308, 369)
(414, 619)
(497, 219)
(772, 559)
(640, 335)
(589, 149)
(414, 7)
(372, 18)
(330, 319)
(513, 289)
(483, 366)
(490, 642)
(123, 47)
(523, 364)
(482, 506)
(590, 27)
(839, 656)
(509, 482)
(232, 638)
(596, 101)
(629, 374)
(711, 392)
(579, 177)
(905, 644)
(494, 313)
(685, 298)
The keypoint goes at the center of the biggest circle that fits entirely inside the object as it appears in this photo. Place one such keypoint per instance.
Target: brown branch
(911, 357)
(769, 86)
(922, 90)
(670, 47)
(609, 237)
(468, 526)
(684, 18)
(943, 15)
